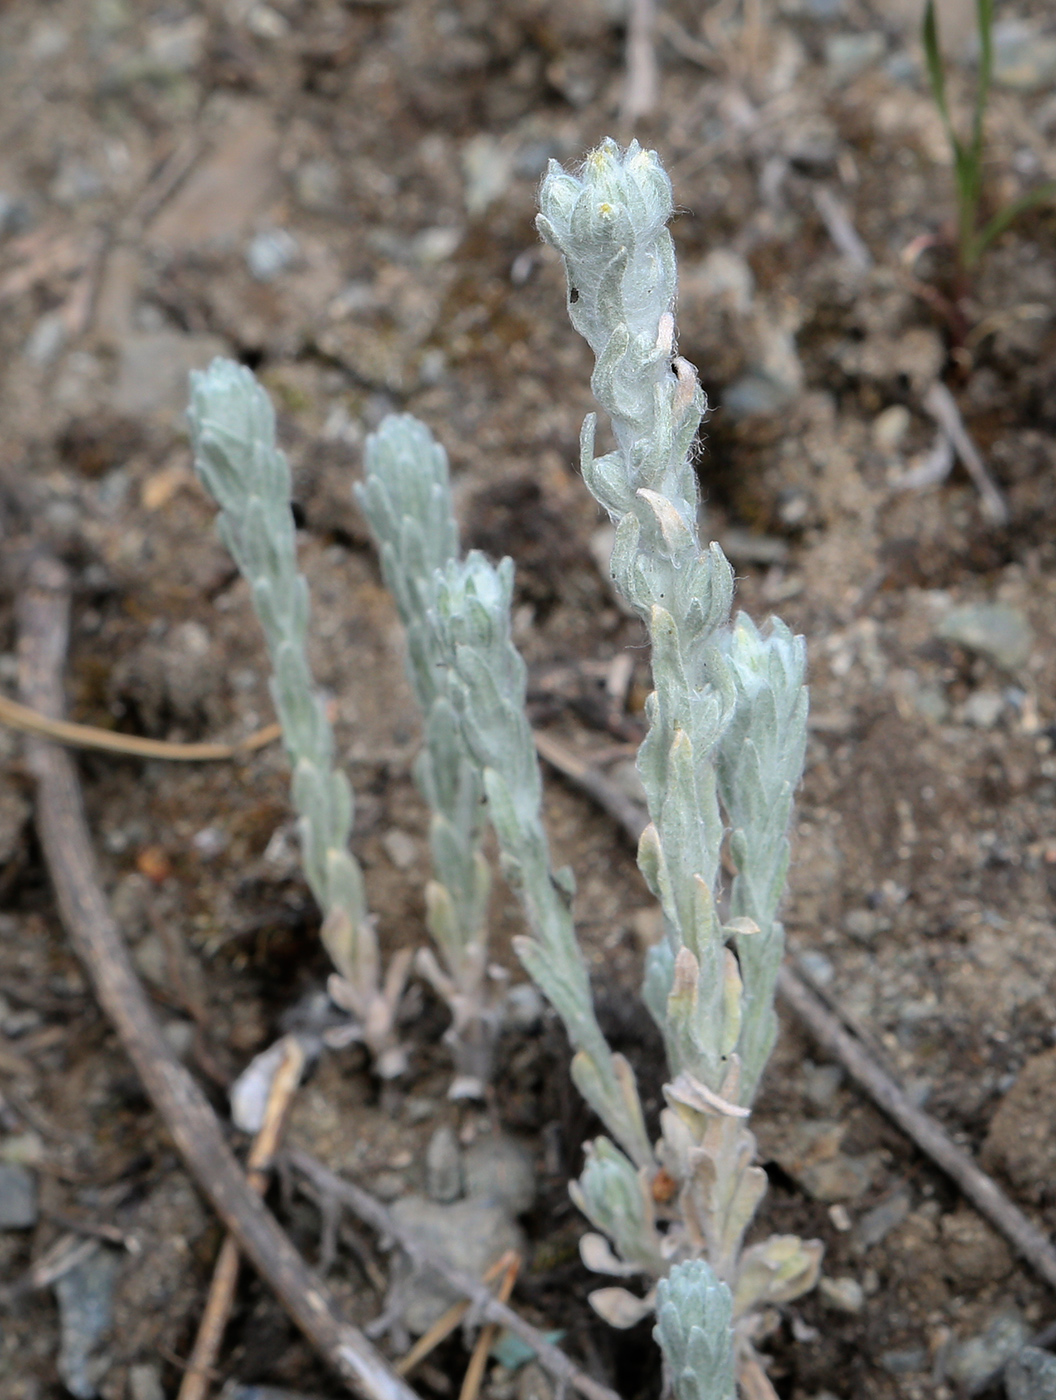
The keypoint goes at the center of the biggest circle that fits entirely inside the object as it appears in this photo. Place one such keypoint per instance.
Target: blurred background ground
(341, 195)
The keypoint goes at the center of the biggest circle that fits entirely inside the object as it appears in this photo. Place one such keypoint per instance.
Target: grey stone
(983, 708)
(443, 1166)
(995, 631)
(1023, 59)
(144, 1381)
(86, 1305)
(904, 1361)
(755, 396)
(18, 1197)
(400, 848)
(817, 967)
(876, 1224)
(270, 253)
(890, 428)
(498, 1169)
(15, 215)
(820, 1083)
(46, 339)
(848, 54)
(842, 1294)
(522, 1007)
(487, 166)
(931, 704)
(317, 184)
(471, 1235)
(388, 1184)
(976, 1357)
(1031, 1375)
(811, 1154)
(863, 925)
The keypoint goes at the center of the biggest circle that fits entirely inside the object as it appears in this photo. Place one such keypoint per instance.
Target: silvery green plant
(238, 461)
(694, 1329)
(406, 497)
(724, 751)
(470, 682)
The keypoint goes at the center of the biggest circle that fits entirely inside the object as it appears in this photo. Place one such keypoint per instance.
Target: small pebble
(317, 184)
(271, 253)
(1000, 633)
(820, 1083)
(388, 1185)
(848, 54)
(840, 1218)
(983, 708)
(400, 848)
(890, 429)
(498, 1169)
(971, 1360)
(18, 1197)
(522, 1007)
(1024, 60)
(443, 1166)
(863, 925)
(876, 1224)
(817, 967)
(842, 1294)
(86, 1306)
(144, 1382)
(1031, 1375)
(905, 1361)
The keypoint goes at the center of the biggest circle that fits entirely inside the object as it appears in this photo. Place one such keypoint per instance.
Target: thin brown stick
(87, 736)
(43, 616)
(920, 1127)
(981, 1190)
(217, 1311)
(641, 84)
(607, 795)
(370, 1210)
(475, 1370)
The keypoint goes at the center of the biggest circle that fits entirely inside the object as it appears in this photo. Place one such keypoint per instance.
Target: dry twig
(642, 79)
(87, 736)
(942, 406)
(370, 1210)
(929, 1136)
(841, 230)
(43, 614)
(218, 1305)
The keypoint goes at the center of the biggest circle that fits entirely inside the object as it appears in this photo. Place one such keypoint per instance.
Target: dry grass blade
(444, 1326)
(87, 736)
(475, 1370)
(371, 1210)
(196, 1379)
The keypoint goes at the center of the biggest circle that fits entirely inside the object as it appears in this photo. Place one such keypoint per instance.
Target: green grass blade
(985, 16)
(936, 72)
(1007, 216)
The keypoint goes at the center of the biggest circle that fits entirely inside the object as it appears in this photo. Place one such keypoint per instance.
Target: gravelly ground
(342, 196)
